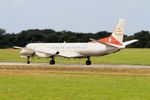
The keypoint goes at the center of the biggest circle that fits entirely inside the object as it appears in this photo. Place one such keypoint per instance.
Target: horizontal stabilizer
(129, 42)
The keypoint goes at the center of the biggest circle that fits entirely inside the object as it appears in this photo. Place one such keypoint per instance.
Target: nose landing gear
(28, 59)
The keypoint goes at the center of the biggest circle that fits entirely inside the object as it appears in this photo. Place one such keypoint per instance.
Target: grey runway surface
(74, 65)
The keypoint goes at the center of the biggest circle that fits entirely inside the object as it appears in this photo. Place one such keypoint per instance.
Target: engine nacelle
(42, 55)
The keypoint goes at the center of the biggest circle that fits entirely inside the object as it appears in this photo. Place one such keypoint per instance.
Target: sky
(74, 15)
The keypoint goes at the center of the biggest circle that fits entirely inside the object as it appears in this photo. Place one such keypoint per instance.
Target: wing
(63, 53)
(17, 47)
(43, 52)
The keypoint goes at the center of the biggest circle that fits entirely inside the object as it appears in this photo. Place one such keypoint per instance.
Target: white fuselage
(67, 49)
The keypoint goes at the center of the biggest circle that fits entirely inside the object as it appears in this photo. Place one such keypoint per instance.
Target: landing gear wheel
(28, 60)
(88, 62)
(52, 62)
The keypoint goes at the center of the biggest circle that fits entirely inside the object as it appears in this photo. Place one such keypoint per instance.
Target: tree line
(8, 40)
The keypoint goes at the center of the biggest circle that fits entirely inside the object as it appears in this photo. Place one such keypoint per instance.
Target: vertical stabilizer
(117, 36)
(119, 31)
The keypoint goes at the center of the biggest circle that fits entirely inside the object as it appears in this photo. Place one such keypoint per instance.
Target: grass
(72, 85)
(126, 56)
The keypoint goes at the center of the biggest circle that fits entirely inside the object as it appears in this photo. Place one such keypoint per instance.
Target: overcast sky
(74, 15)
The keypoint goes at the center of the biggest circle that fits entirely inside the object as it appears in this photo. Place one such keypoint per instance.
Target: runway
(74, 65)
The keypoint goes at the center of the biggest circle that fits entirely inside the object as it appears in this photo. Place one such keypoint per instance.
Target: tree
(52, 38)
(148, 44)
(72, 39)
(49, 36)
(2, 31)
(21, 40)
(143, 38)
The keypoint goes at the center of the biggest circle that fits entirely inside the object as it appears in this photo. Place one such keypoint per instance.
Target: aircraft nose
(26, 52)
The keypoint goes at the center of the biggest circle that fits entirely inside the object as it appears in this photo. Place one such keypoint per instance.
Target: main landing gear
(52, 61)
(28, 59)
(88, 61)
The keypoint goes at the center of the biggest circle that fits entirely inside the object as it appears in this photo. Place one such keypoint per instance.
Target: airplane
(101, 47)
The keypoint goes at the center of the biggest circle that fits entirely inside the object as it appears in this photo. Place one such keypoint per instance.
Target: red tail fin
(110, 40)
(117, 35)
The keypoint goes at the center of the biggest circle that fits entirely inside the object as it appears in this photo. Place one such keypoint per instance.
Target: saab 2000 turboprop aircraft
(101, 47)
